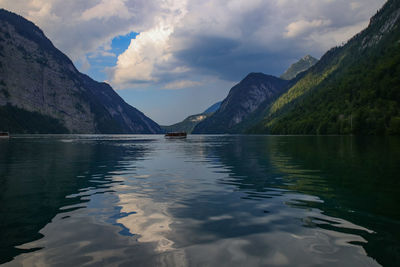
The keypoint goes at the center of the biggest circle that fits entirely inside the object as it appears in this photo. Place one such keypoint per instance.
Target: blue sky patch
(99, 63)
(121, 43)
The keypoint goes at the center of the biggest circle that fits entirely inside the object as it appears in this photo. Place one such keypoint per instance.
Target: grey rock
(37, 77)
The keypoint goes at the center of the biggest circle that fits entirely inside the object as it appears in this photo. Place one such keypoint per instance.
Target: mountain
(41, 91)
(188, 124)
(302, 65)
(353, 89)
(252, 94)
(213, 108)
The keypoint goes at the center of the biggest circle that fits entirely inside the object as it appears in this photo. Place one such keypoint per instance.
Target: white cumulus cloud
(187, 40)
(137, 63)
(149, 49)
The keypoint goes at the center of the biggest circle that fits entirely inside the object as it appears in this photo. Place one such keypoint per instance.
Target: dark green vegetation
(302, 65)
(353, 89)
(16, 120)
(40, 82)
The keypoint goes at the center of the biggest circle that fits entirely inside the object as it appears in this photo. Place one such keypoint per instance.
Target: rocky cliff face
(252, 94)
(35, 77)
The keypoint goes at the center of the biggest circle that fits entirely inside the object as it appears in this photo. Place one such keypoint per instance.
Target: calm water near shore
(144, 200)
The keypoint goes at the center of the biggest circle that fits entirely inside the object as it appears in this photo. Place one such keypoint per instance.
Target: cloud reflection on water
(218, 200)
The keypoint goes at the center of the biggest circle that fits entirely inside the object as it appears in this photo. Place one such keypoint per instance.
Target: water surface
(203, 201)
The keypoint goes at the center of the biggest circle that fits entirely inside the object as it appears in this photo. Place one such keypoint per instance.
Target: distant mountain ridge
(213, 108)
(251, 94)
(188, 124)
(302, 65)
(41, 91)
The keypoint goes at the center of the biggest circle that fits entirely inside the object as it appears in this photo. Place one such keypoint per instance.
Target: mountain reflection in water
(206, 200)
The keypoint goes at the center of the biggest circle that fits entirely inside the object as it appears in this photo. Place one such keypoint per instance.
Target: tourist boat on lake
(4, 135)
(176, 135)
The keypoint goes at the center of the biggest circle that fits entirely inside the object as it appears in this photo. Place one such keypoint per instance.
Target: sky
(174, 58)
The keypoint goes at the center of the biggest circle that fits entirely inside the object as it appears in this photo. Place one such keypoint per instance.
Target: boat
(176, 135)
(4, 135)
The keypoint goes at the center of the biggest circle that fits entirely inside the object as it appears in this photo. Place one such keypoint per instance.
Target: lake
(143, 200)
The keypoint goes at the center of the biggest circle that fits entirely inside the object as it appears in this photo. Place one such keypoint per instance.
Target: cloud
(181, 84)
(336, 36)
(301, 27)
(107, 9)
(228, 39)
(183, 40)
(137, 63)
(85, 64)
(79, 28)
(101, 54)
(150, 49)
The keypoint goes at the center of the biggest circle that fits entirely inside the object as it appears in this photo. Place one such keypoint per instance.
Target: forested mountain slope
(353, 89)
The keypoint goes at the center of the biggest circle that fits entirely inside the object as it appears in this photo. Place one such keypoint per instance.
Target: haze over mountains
(41, 91)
